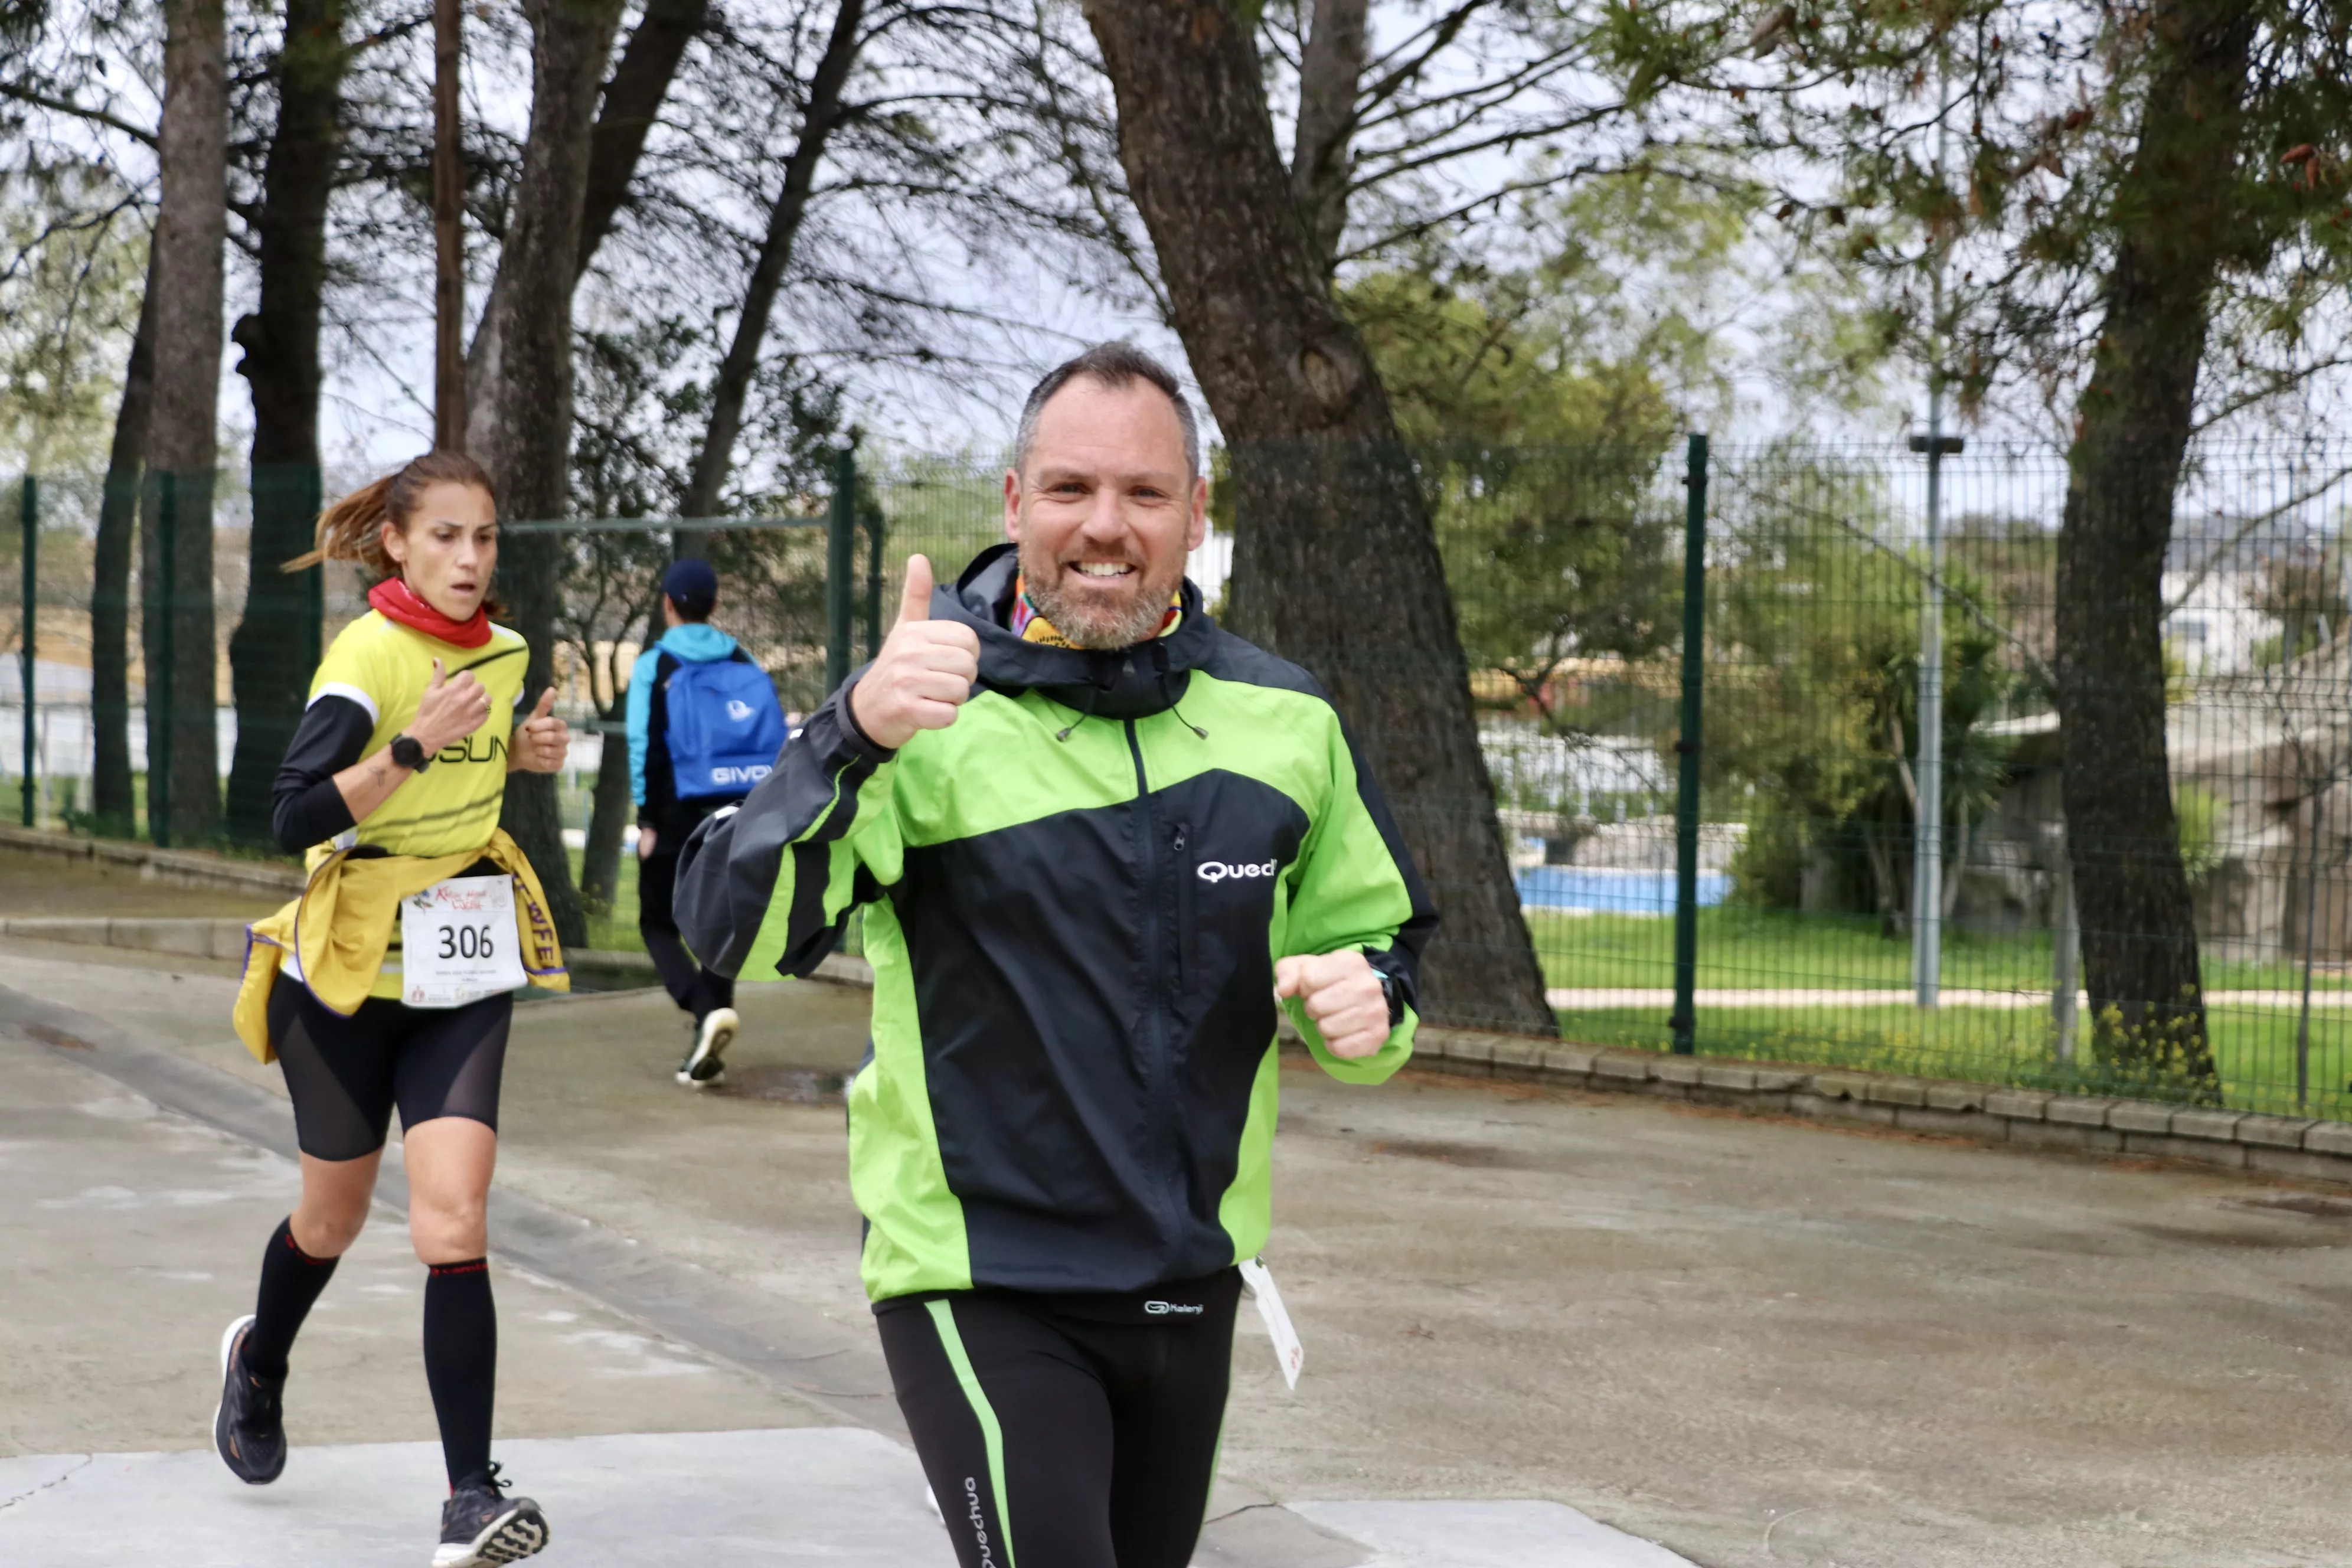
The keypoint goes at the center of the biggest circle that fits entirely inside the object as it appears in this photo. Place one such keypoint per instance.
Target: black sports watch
(1395, 995)
(410, 754)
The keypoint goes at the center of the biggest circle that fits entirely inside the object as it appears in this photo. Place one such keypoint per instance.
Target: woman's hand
(450, 710)
(542, 740)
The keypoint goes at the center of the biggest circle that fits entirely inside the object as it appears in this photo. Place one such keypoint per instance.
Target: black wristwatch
(409, 753)
(1394, 993)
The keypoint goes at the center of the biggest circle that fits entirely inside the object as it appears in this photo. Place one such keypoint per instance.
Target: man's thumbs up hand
(923, 673)
(915, 598)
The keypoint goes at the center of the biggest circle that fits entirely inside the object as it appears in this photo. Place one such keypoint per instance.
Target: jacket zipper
(1158, 1067)
(1184, 914)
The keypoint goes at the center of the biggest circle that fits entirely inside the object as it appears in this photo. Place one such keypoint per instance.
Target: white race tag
(1259, 1280)
(458, 943)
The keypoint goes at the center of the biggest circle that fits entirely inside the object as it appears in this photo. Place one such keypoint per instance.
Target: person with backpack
(704, 727)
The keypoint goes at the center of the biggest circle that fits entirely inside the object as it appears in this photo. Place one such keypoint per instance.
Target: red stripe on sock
(478, 1266)
(296, 1249)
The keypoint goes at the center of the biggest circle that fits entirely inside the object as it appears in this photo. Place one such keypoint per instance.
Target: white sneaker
(702, 1068)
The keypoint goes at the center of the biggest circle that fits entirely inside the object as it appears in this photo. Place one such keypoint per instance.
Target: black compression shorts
(1066, 1432)
(344, 1075)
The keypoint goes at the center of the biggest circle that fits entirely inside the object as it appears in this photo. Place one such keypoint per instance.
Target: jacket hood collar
(1122, 683)
(697, 642)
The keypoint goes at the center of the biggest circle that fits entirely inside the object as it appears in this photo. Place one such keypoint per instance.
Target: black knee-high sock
(461, 1363)
(290, 1281)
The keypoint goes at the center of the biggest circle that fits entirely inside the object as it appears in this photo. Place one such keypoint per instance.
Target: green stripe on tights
(952, 1343)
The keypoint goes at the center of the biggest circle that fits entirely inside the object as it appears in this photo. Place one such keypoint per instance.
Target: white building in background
(2212, 584)
(1607, 777)
(2218, 628)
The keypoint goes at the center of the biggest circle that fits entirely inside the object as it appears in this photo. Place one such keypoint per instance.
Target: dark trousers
(690, 986)
(1057, 1436)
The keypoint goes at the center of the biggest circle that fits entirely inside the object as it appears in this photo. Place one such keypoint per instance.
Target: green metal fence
(1700, 674)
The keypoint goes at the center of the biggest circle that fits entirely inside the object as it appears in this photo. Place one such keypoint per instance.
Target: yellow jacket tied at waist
(341, 926)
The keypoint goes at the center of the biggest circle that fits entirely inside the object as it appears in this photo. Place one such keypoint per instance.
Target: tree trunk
(609, 811)
(632, 99)
(191, 228)
(114, 805)
(1335, 561)
(523, 431)
(1330, 71)
(717, 459)
(2176, 215)
(448, 232)
(272, 651)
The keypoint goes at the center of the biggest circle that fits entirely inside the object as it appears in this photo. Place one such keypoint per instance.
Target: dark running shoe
(249, 1427)
(702, 1068)
(478, 1525)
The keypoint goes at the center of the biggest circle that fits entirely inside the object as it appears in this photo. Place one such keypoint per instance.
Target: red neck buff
(399, 602)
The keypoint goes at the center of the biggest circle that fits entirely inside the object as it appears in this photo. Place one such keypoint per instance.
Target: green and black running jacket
(1075, 897)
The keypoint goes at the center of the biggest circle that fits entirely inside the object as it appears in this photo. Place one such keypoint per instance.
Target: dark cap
(691, 586)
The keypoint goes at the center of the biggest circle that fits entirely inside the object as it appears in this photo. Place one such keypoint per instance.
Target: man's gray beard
(1089, 627)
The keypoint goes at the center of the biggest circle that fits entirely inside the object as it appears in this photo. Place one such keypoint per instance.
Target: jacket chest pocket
(1186, 912)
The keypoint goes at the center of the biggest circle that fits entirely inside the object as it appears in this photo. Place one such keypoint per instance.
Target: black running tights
(1059, 1441)
(344, 1074)
(691, 987)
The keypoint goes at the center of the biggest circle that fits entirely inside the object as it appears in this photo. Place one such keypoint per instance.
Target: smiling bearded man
(1083, 903)
(1086, 580)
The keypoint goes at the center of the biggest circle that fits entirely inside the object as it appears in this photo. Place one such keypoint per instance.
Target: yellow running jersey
(453, 806)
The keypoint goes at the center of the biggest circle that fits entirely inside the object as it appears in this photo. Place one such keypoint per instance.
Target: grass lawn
(1752, 950)
(2255, 1047)
(1775, 950)
(617, 931)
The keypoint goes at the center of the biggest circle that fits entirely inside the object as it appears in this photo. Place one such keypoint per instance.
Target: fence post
(160, 682)
(840, 557)
(2066, 953)
(32, 522)
(1684, 1022)
(314, 597)
(876, 525)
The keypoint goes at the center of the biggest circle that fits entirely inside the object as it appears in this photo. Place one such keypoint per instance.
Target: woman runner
(389, 981)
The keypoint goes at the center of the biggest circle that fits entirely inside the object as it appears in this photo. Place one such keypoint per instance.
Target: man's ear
(1013, 506)
(1198, 530)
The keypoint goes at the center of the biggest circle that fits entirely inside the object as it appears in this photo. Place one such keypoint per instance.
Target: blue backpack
(724, 728)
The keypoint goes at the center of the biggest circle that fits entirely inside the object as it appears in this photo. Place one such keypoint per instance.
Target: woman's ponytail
(353, 528)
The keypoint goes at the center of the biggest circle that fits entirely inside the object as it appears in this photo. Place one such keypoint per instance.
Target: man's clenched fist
(923, 673)
(1342, 994)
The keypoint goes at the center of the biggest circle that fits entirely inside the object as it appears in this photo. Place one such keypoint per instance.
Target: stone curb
(217, 939)
(601, 969)
(180, 868)
(2283, 1145)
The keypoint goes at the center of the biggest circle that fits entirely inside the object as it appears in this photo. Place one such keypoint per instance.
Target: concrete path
(1755, 1342)
(133, 1233)
(1601, 996)
(837, 1497)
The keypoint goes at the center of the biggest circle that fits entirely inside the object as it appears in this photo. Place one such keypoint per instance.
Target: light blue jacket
(693, 643)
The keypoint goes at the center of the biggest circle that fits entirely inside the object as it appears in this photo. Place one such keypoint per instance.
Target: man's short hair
(692, 586)
(1114, 365)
